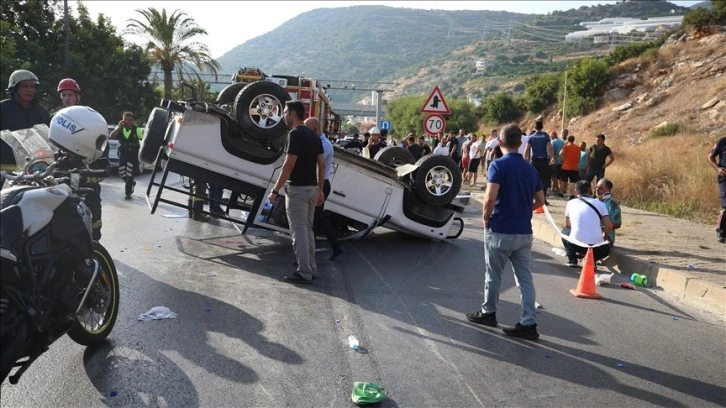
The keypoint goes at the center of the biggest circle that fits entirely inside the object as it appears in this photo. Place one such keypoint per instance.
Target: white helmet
(80, 130)
(375, 131)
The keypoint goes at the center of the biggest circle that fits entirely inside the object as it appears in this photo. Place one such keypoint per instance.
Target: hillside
(365, 43)
(378, 43)
(680, 90)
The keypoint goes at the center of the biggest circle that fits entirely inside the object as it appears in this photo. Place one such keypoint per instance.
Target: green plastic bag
(367, 393)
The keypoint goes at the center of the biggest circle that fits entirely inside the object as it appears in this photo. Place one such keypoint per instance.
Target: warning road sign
(435, 103)
(434, 123)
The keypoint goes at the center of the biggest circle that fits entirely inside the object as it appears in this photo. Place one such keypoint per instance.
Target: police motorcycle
(54, 279)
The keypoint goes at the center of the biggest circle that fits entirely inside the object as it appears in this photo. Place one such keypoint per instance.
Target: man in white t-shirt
(589, 224)
(474, 158)
(442, 148)
(523, 146)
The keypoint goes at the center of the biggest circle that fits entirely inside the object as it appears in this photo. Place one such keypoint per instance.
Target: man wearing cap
(22, 109)
(129, 136)
(375, 144)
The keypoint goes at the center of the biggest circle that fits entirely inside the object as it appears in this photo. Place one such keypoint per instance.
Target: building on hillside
(615, 30)
(474, 100)
(482, 65)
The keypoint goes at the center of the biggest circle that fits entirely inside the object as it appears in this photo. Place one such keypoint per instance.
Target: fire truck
(309, 91)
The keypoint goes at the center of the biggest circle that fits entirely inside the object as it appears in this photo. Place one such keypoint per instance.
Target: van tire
(394, 156)
(153, 135)
(268, 100)
(229, 93)
(437, 180)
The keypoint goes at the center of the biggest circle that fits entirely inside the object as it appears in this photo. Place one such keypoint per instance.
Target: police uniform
(128, 151)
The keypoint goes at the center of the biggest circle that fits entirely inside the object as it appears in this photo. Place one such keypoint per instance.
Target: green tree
(204, 91)
(701, 16)
(462, 116)
(541, 91)
(171, 44)
(404, 114)
(585, 83)
(112, 76)
(501, 108)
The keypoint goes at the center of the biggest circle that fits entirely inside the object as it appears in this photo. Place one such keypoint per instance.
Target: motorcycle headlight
(40, 166)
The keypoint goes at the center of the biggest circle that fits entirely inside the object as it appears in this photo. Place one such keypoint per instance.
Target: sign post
(434, 124)
(436, 107)
(435, 103)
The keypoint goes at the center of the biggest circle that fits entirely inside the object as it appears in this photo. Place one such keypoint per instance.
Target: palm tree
(170, 44)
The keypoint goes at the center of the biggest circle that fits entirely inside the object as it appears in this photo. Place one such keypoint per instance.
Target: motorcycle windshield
(21, 147)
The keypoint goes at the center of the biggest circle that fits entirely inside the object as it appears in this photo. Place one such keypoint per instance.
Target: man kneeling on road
(589, 223)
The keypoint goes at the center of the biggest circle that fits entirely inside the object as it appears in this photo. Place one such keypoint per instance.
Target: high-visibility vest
(127, 142)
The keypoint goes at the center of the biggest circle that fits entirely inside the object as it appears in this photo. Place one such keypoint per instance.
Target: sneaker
(201, 217)
(522, 332)
(571, 262)
(487, 319)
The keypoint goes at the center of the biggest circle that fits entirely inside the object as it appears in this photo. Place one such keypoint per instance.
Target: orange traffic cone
(539, 210)
(586, 285)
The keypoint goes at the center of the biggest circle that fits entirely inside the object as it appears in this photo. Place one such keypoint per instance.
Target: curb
(704, 294)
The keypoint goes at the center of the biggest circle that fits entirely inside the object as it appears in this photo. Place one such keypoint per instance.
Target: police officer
(70, 94)
(129, 136)
(22, 109)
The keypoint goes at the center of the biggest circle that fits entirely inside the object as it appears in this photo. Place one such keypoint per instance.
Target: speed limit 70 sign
(434, 123)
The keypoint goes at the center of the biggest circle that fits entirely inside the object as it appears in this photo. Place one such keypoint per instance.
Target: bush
(628, 51)
(585, 82)
(698, 18)
(501, 108)
(541, 91)
(669, 129)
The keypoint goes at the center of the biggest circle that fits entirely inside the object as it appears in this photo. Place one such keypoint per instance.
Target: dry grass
(669, 175)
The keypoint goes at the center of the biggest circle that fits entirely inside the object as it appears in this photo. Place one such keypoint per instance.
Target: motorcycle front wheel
(98, 315)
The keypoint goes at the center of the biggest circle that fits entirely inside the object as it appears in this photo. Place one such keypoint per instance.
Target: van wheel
(394, 156)
(437, 180)
(229, 93)
(153, 135)
(258, 109)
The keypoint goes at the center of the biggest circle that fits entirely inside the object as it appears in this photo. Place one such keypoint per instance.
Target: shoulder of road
(678, 256)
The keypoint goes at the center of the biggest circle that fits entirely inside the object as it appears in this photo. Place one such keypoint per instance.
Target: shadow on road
(380, 266)
(146, 362)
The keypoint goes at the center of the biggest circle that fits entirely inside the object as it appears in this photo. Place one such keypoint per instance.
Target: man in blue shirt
(557, 145)
(321, 222)
(540, 153)
(513, 190)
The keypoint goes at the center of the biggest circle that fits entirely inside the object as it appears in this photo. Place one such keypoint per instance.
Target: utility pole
(564, 102)
(67, 62)
(379, 106)
(509, 32)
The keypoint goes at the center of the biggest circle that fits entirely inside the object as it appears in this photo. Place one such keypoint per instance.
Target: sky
(231, 23)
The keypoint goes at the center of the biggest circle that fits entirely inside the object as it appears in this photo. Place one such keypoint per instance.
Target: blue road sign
(386, 124)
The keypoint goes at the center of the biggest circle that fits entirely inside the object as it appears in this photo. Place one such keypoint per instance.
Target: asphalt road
(244, 338)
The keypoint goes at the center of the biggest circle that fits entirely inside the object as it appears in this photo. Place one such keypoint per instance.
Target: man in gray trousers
(304, 166)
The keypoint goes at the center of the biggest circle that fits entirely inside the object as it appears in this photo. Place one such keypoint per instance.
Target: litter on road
(157, 313)
(367, 393)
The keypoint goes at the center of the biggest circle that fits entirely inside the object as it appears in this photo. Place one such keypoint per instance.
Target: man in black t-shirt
(717, 160)
(304, 166)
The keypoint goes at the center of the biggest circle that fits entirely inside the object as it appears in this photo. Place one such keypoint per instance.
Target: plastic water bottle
(353, 342)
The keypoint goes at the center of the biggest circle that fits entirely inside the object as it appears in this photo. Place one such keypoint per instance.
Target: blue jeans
(516, 248)
(595, 172)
